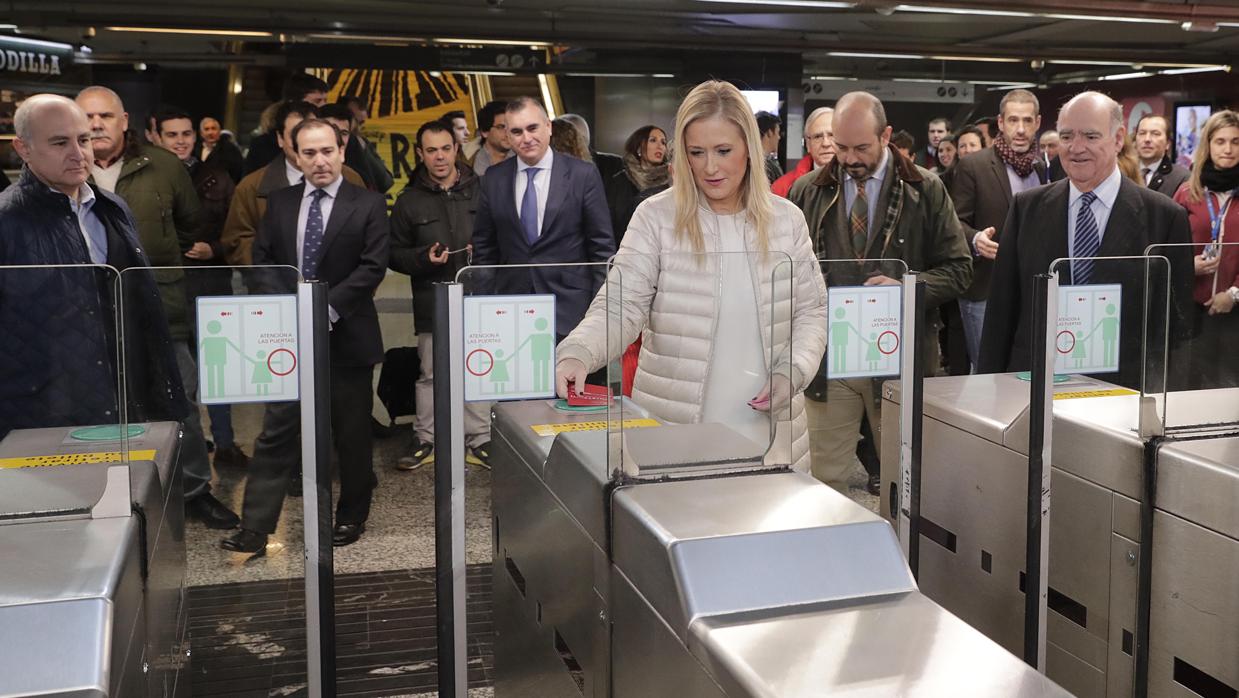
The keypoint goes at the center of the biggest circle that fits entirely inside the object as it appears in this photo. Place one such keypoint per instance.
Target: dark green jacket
(917, 225)
(160, 193)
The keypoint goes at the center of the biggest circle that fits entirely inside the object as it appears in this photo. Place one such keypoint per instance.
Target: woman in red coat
(1209, 199)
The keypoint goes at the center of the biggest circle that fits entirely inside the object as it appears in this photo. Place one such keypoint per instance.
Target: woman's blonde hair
(715, 98)
(1220, 120)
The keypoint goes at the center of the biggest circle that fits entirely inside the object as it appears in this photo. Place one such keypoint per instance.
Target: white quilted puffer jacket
(669, 295)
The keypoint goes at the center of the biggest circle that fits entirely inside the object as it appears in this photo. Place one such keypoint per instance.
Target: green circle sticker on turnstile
(106, 432)
(563, 406)
(1058, 377)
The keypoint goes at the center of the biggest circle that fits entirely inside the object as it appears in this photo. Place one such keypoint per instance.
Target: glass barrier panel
(864, 328)
(1203, 332)
(62, 370)
(698, 334)
(233, 339)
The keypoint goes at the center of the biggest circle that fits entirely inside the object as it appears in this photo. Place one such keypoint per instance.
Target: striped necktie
(1087, 241)
(859, 220)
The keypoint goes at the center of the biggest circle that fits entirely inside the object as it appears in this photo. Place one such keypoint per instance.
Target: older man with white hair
(819, 145)
(58, 363)
(1095, 212)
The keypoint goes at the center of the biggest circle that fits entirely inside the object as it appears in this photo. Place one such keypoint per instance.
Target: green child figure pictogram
(872, 355)
(261, 377)
(499, 372)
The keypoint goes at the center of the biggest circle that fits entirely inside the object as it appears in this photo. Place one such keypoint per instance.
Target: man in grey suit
(543, 207)
(1153, 148)
(983, 185)
(1095, 212)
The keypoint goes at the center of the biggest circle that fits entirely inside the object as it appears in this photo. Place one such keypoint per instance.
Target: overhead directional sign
(1087, 338)
(862, 331)
(247, 349)
(509, 347)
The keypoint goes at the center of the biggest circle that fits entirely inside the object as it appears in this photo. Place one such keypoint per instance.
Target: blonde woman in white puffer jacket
(730, 338)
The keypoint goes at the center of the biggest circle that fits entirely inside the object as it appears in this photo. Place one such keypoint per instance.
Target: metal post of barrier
(315, 390)
(1037, 514)
(911, 408)
(449, 408)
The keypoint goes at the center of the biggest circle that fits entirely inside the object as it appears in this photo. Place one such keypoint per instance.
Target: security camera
(88, 33)
(1036, 64)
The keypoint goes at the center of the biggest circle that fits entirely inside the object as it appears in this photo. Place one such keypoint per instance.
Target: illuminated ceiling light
(366, 37)
(37, 43)
(498, 73)
(823, 4)
(8, 26)
(203, 32)
(547, 102)
(663, 75)
(961, 11)
(1126, 76)
(831, 77)
(493, 42)
(1203, 69)
(1085, 62)
(1111, 18)
(978, 59)
(864, 54)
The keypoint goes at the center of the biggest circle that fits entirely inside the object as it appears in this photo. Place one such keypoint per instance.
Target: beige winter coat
(670, 297)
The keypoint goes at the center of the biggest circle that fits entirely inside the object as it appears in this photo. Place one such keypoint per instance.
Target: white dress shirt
(295, 176)
(93, 232)
(107, 177)
(1106, 193)
(303, 215)
(541, 183)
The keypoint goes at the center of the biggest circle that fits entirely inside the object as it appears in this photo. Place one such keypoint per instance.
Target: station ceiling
(1036, 41)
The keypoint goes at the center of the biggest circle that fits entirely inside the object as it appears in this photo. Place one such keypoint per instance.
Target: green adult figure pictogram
(1109, 326)
(499, 372)
(215, 358)
(839, 337)
(261, 377)
(541, 354)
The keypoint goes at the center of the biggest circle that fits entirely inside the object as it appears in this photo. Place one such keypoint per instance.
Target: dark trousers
(278, 448)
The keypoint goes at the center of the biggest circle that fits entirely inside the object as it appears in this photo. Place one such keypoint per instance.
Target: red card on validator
(594, 395)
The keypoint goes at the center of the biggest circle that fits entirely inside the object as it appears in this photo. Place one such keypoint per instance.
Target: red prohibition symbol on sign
(1065, 341)
(276, 353)
(485, 359)
(885, 339)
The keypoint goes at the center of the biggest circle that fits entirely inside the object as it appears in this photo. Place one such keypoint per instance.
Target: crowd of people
(976, 213)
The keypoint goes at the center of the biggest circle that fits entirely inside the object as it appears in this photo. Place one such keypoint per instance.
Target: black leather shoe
(346, 534)
(294, 485)
(245, 541)
(210, 511)
(874, 486)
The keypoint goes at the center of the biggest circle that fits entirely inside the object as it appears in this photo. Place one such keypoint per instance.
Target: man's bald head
(53, 139)
(854, 106)
(1096, 103)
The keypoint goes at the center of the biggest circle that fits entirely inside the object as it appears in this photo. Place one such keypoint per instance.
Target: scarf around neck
(1219, 181)
(642, 174)
(1022, 163)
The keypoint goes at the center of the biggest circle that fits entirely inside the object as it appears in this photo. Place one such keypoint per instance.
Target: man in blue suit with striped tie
(1095, 212)
(543, 207)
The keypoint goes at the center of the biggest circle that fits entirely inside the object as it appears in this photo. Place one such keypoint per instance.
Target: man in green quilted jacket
(160, 194)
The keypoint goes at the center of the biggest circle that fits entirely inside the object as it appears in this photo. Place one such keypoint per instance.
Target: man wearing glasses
(819, 145)
(432, 222)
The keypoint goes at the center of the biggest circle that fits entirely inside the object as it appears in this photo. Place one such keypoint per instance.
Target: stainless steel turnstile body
(765, 584)
(973, 501)
(92, 574)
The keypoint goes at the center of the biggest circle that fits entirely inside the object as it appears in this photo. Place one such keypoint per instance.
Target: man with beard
(871, 203)
(982, 190)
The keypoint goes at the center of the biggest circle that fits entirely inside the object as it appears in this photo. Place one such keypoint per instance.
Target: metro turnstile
(763, 584)
(973, 498)
(92, 569)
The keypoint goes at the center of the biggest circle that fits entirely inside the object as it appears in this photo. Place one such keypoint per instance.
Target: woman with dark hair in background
(568, 139)
(645, 173)
(969, 140)
(951, 336)
(946, 156)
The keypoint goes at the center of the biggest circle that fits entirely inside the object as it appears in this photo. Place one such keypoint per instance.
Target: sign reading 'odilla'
(21, 58)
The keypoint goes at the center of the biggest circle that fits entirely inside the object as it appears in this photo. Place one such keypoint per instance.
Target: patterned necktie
(1144, 172)
(1088, 240)
(312, 247)
(529, 207)
(859, 220)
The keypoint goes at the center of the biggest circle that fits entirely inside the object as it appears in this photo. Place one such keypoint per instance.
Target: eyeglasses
(816, 138)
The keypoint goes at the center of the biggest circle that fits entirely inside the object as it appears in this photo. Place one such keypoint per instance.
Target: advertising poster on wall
(399, 102)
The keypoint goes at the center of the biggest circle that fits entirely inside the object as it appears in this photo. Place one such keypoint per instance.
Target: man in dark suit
(983, 186)
(335, 232)
(1153, 148)
(543, 207)
(1095, 212)
(934, 133)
